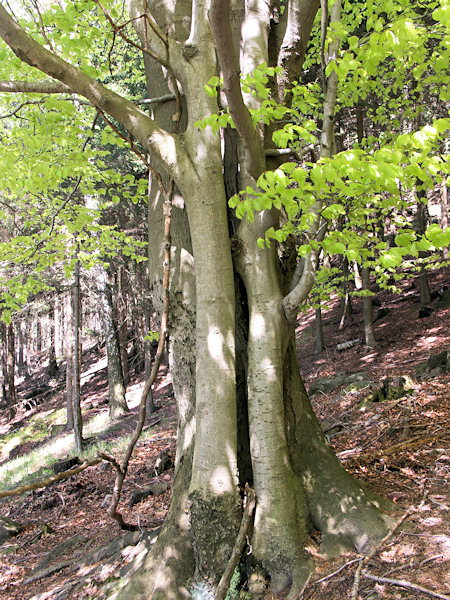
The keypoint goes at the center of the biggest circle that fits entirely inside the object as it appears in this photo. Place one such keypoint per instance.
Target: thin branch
(15, 111)
(118, 30)
(405, 584)
(368, 557)
(219, 18)
(118, 484)
(42, 28)
(224, 583)
(34, 87)
(330, 575)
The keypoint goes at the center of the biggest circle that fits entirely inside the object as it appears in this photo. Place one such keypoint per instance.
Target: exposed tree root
(163, 571)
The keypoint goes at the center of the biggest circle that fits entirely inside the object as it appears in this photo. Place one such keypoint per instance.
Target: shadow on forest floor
(399, 447)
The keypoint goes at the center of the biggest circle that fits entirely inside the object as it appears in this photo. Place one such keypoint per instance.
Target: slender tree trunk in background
(117, 401)
(76, 391)
(320, 344)
(346, 302)
(123, 288)
(444, 210)
(369, 333)
(4, 349)
(10, 363)
(148, 355)
(38, 333)
(122, 321)
(52, 364)
(22, 354)
(69, 350)
(421, 221)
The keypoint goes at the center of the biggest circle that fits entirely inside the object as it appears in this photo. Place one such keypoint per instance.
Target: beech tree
(238, 278)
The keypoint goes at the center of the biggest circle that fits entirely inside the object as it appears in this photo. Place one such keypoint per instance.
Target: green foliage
(392, 56)
(61, 177)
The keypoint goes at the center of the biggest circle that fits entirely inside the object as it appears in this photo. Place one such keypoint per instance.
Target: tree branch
(118, 30)
(219, 18)
(40, 484)
(300, 15)
(34, 87)
(123, 468)
(318, 227)
(138, 123)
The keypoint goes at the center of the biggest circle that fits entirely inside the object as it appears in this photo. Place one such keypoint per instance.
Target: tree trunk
(76, 368)
(10, 365)
(320, 344)
(444, 210)
(421, 220)
(52, 364)
(369, 334)
(38, 333)
(22, 366)
(69, 327)
(340, 506)
(117, 401)
(346, 302)
(148, 358)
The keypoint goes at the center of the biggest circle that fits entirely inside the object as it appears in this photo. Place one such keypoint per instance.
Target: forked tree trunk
(295, 473)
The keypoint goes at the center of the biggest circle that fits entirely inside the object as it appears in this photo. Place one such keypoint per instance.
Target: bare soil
(399, 447)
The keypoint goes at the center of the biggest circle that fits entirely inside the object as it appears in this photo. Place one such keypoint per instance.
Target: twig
(118, 29)
(347, 564)
(390, 533)
(405, 584)
(63, 502)
(224, 582)
(123, 468)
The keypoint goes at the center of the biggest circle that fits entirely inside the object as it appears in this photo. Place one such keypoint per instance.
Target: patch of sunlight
(36, 429)
(215, 342)
(398, 551)
(221, 480)
(98, 423)
(36, 463)
(258, 326)
(270, 372)
(98, 366)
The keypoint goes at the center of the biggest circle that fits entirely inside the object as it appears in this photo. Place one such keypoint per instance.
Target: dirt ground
(399, 447)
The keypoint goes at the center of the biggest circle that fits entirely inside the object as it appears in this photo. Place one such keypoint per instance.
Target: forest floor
(399, 447)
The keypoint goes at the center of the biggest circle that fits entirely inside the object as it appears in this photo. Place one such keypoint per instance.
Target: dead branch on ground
(405, 584)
